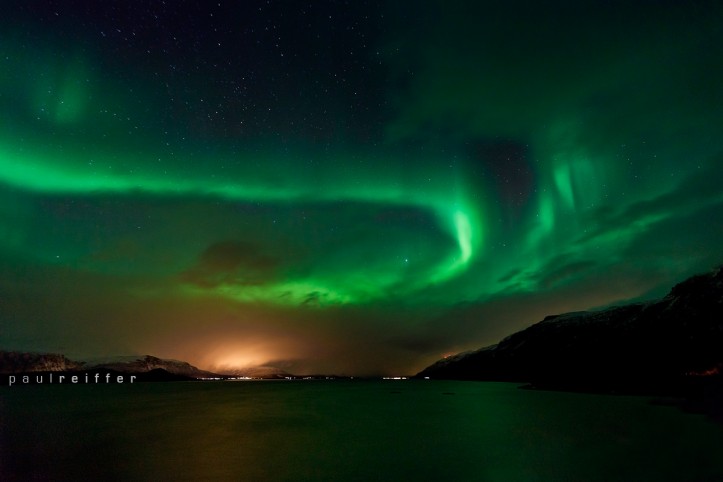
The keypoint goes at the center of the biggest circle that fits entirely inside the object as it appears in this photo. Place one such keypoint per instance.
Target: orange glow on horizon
(706, 373)
(238, 355)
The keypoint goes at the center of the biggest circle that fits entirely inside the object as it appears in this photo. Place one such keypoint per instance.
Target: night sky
(347, 187)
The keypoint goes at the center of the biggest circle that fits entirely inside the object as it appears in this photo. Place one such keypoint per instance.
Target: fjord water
(347, 430)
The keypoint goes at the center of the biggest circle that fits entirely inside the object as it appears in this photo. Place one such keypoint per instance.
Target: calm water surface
(347, 430)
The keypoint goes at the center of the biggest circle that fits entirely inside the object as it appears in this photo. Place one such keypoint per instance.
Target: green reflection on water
(347, 430)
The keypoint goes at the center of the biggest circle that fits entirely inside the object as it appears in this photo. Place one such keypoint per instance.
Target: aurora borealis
(357, 188)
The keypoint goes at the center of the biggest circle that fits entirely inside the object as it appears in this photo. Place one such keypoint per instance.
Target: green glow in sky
(375, 190)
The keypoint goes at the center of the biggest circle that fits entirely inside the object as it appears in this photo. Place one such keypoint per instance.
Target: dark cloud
(231, 262)
(560, 270)
(510, 275)
(697, 191)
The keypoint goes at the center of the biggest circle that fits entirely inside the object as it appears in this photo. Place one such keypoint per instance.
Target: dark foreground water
(347, 430)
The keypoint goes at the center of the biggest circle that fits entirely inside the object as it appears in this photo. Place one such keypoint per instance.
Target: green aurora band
(480, 171)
